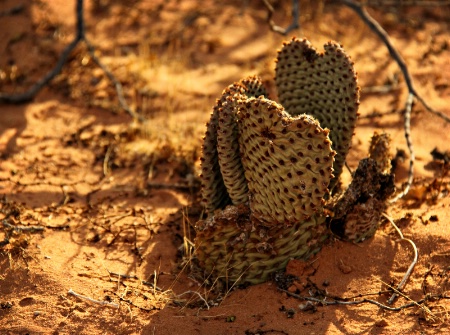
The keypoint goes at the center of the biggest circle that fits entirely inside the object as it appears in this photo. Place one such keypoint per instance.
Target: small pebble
(345, 269)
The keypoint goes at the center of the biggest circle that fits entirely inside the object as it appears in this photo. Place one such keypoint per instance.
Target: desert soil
(101, 195)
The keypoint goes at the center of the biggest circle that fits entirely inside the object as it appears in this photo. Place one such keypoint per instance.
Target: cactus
(221, 149)
(358, 211)
(287, 161)
(267, 167)
(234, 246)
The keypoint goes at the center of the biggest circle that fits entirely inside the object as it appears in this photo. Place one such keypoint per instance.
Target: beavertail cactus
(267, 168)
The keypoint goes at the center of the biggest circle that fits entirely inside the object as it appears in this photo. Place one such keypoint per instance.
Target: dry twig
(402, 284)
(384, 37)
(196, 293)
(98, 302)
(295, 18)
(79, 37)
(405, 3)
(22, 228)
(144, 282)
(343, 301)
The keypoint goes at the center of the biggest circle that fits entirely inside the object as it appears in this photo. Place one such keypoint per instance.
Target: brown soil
(114, 197)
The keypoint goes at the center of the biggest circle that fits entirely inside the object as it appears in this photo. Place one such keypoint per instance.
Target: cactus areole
(267, 167)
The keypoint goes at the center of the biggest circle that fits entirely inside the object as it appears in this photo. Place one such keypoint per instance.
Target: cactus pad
(223, 180)
(233, 246)
(323, 85)
(227, 138)
(287, 161)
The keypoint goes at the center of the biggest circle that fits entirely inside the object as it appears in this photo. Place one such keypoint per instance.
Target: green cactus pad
(214, 192)
(287, 161)
(233, 246)
(323, 85)
(227, 138)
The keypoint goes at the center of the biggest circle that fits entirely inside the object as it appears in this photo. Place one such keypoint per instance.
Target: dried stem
(353, 302)
(80, 37)
(383, 35)
(402, 284)
(412, 156)
(22, 228)
(295, 18)
(196, 293)
(98, 302)
(31, 93)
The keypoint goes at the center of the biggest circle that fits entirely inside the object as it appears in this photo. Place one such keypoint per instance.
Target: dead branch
(384, 37)
(128, 301)
(144, 282)
(328, 301)
(295, 18)
(94, 301)
(382, 34)
(325, 302)
(44, 81)
(22, 228)
(412, 155)
(196, 293)
(402, 284)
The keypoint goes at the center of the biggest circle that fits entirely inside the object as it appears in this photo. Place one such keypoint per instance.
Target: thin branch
(144, 282)
(196, 293)
(31, 93)
(383, 35)
(80, 37)
(402, 284)
(295, 18)
(412, 156)
(22, 228)
(353, 302)
(128, 301)
(419, 304)
(116, 83)
(98, 302)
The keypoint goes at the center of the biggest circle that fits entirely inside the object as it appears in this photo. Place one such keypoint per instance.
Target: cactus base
(235, 247)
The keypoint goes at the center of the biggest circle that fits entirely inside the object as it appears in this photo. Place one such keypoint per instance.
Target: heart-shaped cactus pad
(288, 161)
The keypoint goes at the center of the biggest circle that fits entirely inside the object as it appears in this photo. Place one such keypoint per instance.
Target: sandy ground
(108, 197)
